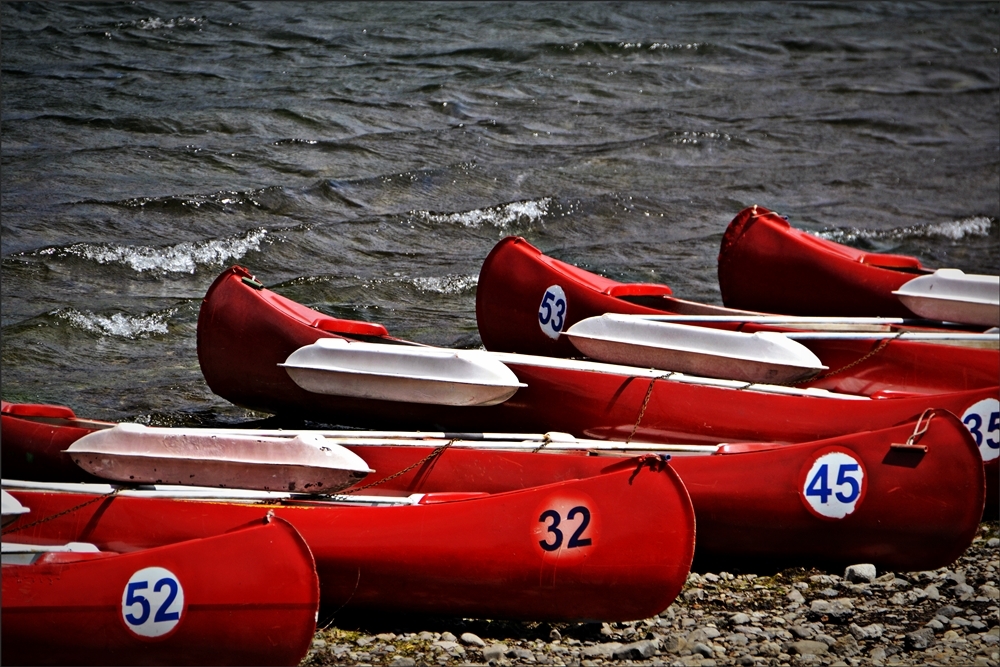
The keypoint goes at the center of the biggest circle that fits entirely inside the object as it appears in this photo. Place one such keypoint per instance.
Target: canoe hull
(516, 277)
(356, 369)
(953, 296)
(767, 265)
(68, 609)
(241, 341)
(306, 464)
(478, 557)
(920, 509)
(746, 497)
(760, 357)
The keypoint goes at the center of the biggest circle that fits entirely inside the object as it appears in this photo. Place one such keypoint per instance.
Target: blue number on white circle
(834, 485)
(153, 602)
(983, 421)
(552, 311)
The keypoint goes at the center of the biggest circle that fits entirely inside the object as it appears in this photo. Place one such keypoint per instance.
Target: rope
(17, 528)
(645, 402)
(917, 431)
(405, 470)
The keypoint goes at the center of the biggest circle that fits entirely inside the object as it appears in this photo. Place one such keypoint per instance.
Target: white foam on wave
(157, 23)
(501, 217)
(119, 325)
(450, 284)
(954, 230)
(184, 257)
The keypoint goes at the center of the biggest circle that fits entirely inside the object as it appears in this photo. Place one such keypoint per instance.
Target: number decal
(576, 540)
(833, 485)
(983, 421)
(162, 615)
(132, 599)
(552, 312)
(552, 528)
(817, 485)
(156, 592)
(852, 481)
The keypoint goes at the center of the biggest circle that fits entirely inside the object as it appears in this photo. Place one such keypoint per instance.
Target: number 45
(819, 485)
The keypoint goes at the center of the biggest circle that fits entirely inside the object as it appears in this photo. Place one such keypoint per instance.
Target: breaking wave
(954, 230)
(183, 257)
(502, 217)
(119, 325)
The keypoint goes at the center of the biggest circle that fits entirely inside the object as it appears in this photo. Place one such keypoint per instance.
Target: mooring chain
(881, 346)
(14, 528)
(645, 402)
(405, 470)
(878, 348)
(546, 439)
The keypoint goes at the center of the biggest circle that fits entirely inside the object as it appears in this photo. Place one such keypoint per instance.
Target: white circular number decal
(552, 312)
(983, 421)
(834, 485)
(153, 602)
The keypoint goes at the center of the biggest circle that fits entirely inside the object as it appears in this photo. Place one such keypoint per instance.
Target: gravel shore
(795, 617)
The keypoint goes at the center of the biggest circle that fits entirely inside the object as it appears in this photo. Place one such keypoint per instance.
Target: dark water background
(363, 158)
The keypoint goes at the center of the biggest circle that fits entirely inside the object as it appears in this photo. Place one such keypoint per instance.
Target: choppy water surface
(363, 158)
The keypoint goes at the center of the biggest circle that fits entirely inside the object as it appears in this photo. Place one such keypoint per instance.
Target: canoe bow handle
(655, 462)
(917, 432)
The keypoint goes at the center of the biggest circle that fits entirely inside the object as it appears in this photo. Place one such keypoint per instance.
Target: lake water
(363, 159)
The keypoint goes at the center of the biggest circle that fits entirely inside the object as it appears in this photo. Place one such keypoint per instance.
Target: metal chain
(878, 348)
(645, 402)
(17, 528)
(405, 470)
(545, 440)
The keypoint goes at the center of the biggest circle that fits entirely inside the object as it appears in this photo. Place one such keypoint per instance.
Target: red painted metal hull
(622, 551)
(765, 264)
(920, 509)
(247, 597)
(35, 438)
(242, 338)
(515, 277)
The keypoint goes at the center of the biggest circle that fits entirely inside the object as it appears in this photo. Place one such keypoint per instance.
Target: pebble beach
(948, 616)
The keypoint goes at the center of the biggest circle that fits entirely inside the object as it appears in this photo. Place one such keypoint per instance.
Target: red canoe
(519, 287)
(612, 547)
(246, 333)
(902, 508)
(765, 264)
(246, 597)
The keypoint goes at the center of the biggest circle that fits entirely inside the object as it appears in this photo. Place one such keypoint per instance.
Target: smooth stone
(808, 647)
(863, 572)
(494, 652)
(605, 650)
(640, 650)
(920, 639)
(948, 611)
(839, 609)
(703, 649)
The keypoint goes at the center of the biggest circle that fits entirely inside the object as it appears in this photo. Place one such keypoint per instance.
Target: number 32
(576, 539)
